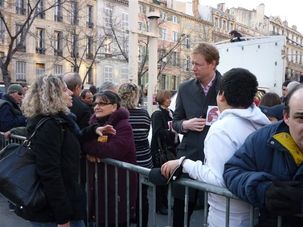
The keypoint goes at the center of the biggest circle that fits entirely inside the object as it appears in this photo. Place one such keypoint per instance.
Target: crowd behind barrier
(143, 179)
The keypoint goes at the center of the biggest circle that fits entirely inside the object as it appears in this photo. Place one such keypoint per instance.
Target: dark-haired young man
(238, 118)
(267, 171)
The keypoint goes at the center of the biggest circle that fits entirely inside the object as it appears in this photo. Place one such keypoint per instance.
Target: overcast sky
(291, 10)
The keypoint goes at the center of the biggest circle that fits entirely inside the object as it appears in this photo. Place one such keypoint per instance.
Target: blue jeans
(73, 224)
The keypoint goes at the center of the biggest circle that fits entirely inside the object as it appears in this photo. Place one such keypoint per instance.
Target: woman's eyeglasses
(102, 103)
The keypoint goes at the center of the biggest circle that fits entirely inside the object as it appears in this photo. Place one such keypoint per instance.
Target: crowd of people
(254, 150)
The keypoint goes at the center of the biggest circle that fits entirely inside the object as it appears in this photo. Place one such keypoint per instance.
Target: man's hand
(194, 124)
(284, 198)
(107, 129)
(169, 167)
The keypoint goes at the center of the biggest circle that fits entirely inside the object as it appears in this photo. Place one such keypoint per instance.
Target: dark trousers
(161, 197)
(145, 206)
(178, 212)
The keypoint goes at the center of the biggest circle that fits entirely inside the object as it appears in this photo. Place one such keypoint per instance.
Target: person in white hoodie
(238, 118)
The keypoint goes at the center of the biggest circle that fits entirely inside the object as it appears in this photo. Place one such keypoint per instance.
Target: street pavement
(10, 219)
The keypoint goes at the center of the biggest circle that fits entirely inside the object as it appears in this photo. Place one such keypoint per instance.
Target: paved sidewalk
(9, 218)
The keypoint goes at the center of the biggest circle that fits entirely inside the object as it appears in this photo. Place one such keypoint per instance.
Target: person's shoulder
(187, 85)
(4, 103)
(266, 132)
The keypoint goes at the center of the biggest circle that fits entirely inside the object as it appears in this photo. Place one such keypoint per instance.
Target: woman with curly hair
(140, 122)
(57, 153)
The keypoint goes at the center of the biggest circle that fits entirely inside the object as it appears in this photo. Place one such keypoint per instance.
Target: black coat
(57, 153)
(161, 134)
(10, 114)
(82, 112)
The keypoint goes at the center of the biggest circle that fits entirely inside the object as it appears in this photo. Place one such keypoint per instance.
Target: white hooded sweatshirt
(224, 138)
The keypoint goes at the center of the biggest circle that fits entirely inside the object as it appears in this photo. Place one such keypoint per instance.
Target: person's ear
(115, 107)
(221, 96)
(286, 117)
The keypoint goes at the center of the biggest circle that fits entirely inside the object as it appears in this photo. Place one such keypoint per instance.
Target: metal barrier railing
(143, 179)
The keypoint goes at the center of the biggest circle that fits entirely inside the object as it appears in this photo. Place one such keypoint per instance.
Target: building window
(142, 53)
(89, 47)
(174, 83)
(58, 70)
(40, 41)
(75, 46)
(58, 47)
(74, 13)
(163, 33)
(108, 17)
(163, 16)
(124, 74)
(40, 69)
(20, 43)
(175, 36)
(163, 82)
(142, 8)
(187, 42)
(58, 11)
(2, 31)
(40, 10)
(20, 71)
(187, 64)
(108, 73)
(89, 77)
(20, 7)
(89, 16)
(174, 58)
(174, 19)
(124, 21)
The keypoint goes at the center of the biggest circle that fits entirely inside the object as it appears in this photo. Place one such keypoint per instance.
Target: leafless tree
(29, 11)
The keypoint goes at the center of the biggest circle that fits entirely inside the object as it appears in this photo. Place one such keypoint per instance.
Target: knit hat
(273, 111)
(14, 88)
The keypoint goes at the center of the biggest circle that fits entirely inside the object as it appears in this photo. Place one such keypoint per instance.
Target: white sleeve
(218, 148)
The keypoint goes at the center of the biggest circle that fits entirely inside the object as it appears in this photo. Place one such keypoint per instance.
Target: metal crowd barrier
(143, 179)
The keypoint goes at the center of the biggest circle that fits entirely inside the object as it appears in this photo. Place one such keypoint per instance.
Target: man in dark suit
(80, 109)
(194, 98)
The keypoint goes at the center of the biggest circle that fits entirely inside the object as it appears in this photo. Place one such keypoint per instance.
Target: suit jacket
(192, 102)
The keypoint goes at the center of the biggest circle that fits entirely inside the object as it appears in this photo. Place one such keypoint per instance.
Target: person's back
(81, 110)
(239, 117)
(225, 136)
(140, 122)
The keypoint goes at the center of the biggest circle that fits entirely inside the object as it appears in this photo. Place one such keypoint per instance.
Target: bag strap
(40, 123)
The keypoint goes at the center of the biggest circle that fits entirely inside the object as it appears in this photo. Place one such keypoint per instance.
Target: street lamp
(153, 17)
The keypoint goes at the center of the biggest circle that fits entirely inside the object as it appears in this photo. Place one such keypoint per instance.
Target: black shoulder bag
(19, 181)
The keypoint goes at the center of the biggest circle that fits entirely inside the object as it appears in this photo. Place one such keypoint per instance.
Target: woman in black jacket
(164, 142)
(57, 153)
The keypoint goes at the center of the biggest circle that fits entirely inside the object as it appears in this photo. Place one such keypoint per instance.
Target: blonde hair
(129, 94)
(209, 51)
(45, 97)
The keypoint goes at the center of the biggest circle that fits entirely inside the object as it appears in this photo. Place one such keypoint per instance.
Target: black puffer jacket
(57, 153)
